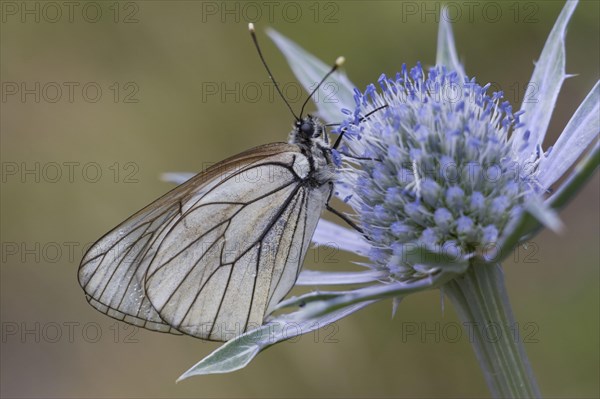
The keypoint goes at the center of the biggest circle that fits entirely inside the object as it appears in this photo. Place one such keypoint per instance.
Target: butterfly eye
(306, 128)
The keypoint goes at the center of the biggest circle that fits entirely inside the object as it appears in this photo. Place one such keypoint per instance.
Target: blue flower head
(452, 138)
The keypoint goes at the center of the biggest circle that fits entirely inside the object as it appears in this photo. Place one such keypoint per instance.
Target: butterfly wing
(213, 256)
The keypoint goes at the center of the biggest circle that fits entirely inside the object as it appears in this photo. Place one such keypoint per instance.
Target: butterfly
(214, 256)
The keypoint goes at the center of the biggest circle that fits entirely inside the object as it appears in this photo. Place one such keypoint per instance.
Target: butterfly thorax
(310, 136)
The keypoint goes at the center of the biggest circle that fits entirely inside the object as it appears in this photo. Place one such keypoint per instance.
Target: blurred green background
(77, 163)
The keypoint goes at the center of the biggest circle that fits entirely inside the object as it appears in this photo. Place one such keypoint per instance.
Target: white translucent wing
(237, 249)
(112, 271)
(232, 193)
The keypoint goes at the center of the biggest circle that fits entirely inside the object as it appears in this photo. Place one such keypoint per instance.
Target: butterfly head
(307, 129)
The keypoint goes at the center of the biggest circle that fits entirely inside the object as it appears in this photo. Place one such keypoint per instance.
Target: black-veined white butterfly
(214, 256)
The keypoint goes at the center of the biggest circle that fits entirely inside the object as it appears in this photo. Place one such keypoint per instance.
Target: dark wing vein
(246, 168)
(274, 219)
(293, 205)
(290, 248)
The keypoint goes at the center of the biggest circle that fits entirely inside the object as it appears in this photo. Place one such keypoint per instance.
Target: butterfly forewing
(113, 270)
(212, 257)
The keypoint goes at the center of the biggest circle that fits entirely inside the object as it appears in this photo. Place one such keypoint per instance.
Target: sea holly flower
(445, 178)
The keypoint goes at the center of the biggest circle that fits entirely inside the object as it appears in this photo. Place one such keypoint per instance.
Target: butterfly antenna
(338, 63)
(253, 34)
(341, 135)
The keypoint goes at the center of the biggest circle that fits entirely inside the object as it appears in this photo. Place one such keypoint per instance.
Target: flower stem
(480, 298)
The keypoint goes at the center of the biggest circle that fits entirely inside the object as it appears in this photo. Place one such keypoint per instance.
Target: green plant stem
(481, 301)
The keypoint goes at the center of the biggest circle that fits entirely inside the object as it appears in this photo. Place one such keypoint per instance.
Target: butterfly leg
(340, 214)
(344, 218)
(358, 158)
